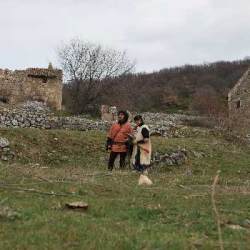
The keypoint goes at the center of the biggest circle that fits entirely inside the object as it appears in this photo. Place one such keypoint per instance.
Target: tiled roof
(39, 72)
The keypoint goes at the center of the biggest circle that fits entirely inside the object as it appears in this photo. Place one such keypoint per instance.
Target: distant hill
(186, 81)
(175, 88)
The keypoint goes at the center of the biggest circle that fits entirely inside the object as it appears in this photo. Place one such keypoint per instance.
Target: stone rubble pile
(164, 130)
(35, 106)
(5, 153)
(166, 119)
(165, 125)
(176, 157)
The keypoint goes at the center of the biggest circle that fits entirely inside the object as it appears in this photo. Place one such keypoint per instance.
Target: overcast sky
(157, 33)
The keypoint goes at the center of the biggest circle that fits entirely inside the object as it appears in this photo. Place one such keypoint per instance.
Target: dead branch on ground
(216, 211)
(36, 191)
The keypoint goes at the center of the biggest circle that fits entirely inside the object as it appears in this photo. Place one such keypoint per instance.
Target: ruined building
(239, 96)
(38, 84)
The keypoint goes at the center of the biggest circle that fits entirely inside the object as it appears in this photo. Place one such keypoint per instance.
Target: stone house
(38, 84)
(239, 96)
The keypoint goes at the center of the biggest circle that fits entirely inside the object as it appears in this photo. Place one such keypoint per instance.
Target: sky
(156, 33)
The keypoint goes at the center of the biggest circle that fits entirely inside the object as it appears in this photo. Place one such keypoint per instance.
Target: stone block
(104, 109)
(4, 142)
(107, 117)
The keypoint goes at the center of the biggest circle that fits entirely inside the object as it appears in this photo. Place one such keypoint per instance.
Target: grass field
(52, 168)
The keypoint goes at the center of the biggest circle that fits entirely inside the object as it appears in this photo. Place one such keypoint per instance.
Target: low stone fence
(43, 120)
(160, 124)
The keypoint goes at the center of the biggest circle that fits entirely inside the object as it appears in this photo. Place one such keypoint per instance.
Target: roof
(39, 72)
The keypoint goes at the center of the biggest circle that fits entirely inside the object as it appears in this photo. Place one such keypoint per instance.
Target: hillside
(53, 167)
(173, 89)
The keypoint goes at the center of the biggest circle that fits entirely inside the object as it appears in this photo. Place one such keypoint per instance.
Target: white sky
(157, 33)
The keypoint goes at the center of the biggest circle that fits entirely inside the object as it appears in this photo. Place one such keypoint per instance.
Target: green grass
(174, 213)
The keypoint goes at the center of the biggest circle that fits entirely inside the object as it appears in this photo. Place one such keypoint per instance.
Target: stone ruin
(238, 97)
(109, 113)
(34, 84)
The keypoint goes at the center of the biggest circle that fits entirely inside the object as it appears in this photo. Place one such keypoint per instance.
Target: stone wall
(38, 116)
(42, 119)
(239, 96)
(44, 85)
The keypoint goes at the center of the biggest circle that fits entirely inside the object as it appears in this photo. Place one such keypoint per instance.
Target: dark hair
(125, 113)
(138, 117)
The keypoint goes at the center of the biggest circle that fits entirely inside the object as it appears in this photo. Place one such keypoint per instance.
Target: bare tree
(92, 69)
